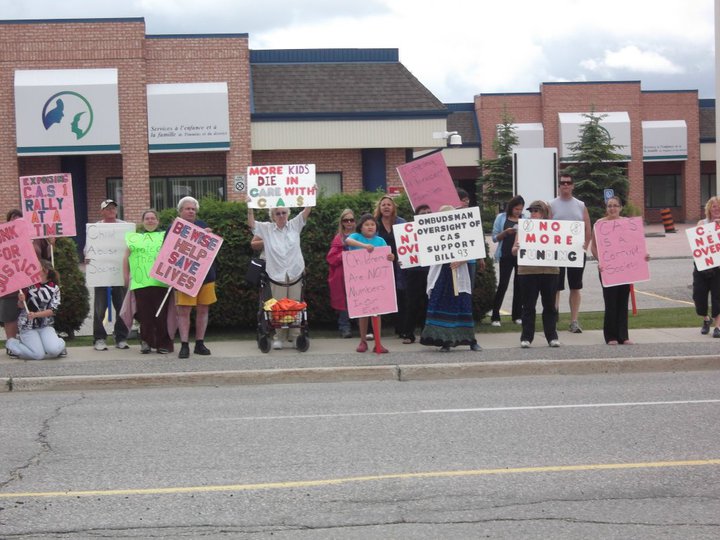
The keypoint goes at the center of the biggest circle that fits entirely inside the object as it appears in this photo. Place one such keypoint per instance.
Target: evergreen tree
(496, 180)
(595, 166)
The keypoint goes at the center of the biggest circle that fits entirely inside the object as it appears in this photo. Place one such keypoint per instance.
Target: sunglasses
(564, 183)
(348, 220)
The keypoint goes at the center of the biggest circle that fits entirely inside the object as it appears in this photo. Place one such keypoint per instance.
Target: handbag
(255, 271)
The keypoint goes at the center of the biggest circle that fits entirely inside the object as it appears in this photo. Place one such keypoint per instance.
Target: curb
(399, 373)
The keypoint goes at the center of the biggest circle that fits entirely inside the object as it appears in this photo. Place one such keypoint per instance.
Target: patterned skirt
(449, 318)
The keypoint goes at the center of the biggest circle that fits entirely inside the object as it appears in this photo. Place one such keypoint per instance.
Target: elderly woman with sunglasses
(537, 281)
(284, 261)
(336, 276)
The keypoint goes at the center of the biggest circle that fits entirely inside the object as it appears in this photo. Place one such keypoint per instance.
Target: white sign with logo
(188, 117)
(551, 242)
(271, 186)
(67, 111)
(454, 236)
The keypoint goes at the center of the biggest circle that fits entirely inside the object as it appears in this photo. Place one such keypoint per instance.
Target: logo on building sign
(68, 109)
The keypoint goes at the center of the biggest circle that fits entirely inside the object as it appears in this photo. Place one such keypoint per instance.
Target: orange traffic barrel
(667, 220)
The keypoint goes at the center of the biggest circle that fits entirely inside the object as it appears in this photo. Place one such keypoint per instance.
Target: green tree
(496, 180)
(595, 166)
(74, 295)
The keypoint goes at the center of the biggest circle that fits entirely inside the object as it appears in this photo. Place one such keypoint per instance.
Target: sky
(457, 48)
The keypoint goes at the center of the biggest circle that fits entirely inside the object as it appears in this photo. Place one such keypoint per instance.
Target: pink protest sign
(428, 181)
(19, 265)
(47, 203)
(705, 245)
(621, 251)
(369, 282)
(186, 256)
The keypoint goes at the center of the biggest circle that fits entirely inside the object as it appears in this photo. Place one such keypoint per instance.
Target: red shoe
(362, 347)
(380, 350)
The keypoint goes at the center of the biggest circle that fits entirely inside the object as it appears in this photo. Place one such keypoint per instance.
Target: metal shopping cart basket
(270, 320)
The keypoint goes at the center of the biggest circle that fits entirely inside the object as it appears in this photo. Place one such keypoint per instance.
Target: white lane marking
(474, 410)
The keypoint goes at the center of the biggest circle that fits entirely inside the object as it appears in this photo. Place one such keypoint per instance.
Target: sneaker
(162, 351)
(475, 347)
(518, 322)
(201, 349)
(444, 348)
(369, 337)
(716, 332)
(524, 344)
(10, 353)
(705, 327)
(495, 323)
(346, 334)
(554, 343)
(122, 344)
(144, 347)
(100, 345)
(277, 344)
(184, 351)
(63, 354)
(575, 328)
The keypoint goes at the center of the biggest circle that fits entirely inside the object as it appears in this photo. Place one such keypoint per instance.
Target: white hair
(187, 200)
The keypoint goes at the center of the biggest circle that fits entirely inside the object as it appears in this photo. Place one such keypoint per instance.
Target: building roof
(326, 83)
(464, 120)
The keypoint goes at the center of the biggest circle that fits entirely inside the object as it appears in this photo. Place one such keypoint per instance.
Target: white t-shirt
(283, 257)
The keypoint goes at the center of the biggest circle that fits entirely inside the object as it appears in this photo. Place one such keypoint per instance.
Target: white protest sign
(272, 186)
(705, 245)
(408, 254)
(453, 236)
(105, 249)
(550, 242)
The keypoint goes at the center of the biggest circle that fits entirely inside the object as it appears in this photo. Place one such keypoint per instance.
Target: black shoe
(184, 351)
(444, 348)
(475, 347)
(201, 349)
(705, 327)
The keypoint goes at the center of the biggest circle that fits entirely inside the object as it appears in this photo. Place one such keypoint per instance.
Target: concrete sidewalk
(329, 360)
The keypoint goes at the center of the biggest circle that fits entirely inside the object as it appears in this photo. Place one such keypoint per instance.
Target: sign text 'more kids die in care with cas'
(273, 186)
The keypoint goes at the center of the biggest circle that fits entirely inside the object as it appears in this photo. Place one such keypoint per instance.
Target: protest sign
(550, 242)
(272, 186)
(407, 245)
(19, 265)
(47, 203)
(369, 282)
(145, 248)
(454, 236)
(186, 256)
(621, 251)
(428, 181)
(104, 250)
(705, 245)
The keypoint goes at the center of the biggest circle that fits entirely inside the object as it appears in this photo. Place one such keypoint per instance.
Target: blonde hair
(543, 206)
(708, 205)
(377, 214)
(342, 216)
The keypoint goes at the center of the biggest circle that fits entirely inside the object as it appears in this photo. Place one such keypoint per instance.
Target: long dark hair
(512, 203)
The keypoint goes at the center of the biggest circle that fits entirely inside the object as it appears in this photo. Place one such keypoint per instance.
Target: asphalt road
(605, 456)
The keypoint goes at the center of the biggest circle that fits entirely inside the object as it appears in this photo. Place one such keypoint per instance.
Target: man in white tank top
(567, 207)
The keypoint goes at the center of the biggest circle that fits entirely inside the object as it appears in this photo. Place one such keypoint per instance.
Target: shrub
(74, 295)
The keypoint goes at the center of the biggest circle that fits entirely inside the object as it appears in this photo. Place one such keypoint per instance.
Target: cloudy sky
(457, 48)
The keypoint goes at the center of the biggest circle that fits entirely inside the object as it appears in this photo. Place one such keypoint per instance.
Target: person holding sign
(108, 210)
(38, 305)
(188, 208)
(615, 323)
(284, 263)
(386, 216)
(537, 281)
(707, 282)
(368, 239)
(449, 321)
(503, 233)
(567, 207)
(143, 248)
(336, 277)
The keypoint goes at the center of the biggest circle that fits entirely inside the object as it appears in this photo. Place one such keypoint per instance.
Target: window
(708, 187)
(114, 191)
(663, 191)
(328, 183)
(166, 191)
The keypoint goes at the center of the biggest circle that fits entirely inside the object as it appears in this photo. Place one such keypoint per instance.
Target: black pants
(615, 323)
(704, 283)
(532, 286)
(507, 266)
(415, 301)
(101, 305)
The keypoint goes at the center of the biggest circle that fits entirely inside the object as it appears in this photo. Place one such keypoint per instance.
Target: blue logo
(70, 104)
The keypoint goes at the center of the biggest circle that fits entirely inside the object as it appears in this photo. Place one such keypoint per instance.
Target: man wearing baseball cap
(108, 210)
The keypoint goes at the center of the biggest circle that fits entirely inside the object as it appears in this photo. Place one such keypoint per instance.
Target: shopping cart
(270, 320)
